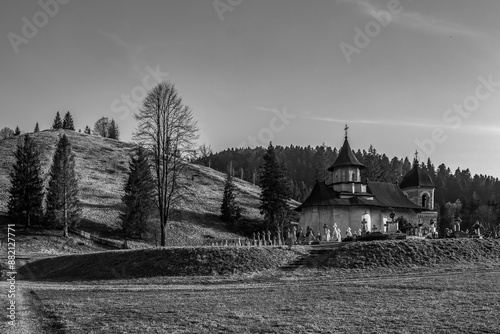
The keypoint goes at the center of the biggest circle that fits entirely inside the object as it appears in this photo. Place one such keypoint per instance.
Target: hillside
(102, 165)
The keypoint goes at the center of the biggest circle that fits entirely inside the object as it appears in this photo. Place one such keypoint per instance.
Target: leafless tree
(101, 127)
(6, 133)
(167, 129)
(204, 154)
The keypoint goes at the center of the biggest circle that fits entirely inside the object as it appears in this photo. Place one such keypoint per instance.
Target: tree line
(103, 127)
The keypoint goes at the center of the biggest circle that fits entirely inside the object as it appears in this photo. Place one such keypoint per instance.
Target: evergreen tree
(37, 128)
(87, 130)
(113, 131)
(321, 163)
(275, 191)
(26, 191)
(375, 171)
(406, 166)
(230, 210)
(138, 201)
(63, 206)
(17, 132)
(68, 122)
(57, 122)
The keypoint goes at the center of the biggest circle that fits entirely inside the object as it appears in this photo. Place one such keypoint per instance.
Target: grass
(102, 166)
(199, 261)
(240, 290)
(39, 243)
(195, 261)
(411, 253)
(461, 300)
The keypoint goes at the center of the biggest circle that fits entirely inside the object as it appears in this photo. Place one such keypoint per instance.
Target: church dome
(417, 177)
(346, 158)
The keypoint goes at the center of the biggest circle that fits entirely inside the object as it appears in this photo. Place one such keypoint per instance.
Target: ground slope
(102, 166)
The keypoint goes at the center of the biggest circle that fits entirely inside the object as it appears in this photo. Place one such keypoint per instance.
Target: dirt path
(297, 281)
(28, 318)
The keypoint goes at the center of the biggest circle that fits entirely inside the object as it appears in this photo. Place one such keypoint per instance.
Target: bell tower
(346, 171)
(417, 185)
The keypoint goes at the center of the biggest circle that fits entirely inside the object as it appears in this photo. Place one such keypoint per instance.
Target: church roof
(390, 195)
(346, 157)
(417, 177)
(385, 195)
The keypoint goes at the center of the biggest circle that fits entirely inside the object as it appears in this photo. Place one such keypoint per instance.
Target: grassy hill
(102, 165)
(181, 261)
(413, 253)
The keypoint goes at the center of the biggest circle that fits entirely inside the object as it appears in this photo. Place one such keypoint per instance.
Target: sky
(404, 75)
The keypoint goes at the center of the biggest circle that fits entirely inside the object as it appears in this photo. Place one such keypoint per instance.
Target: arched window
(425, 200)
(354, 177)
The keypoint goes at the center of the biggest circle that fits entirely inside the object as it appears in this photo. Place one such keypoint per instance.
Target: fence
(99, 240)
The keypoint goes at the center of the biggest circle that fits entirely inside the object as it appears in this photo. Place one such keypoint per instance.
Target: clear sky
(405, 75)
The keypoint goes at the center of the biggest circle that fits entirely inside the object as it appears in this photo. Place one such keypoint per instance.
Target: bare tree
(101, 127)
(167, 129)
(205, 152)
(6, 133)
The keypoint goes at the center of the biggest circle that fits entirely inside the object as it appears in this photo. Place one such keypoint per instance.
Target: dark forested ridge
(458, 193)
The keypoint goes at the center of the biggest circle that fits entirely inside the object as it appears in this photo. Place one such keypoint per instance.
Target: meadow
(452, 299)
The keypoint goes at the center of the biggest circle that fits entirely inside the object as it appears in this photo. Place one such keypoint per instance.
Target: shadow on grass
(101, 230)
(102, 206)
(4, 219)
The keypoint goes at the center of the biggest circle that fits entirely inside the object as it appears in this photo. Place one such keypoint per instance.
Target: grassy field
(357, 288)
(459, 299)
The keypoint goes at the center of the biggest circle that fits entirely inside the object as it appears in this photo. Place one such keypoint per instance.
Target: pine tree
(37, 128)
(138, 201)
(26, 191)
(230, 210)
(113, 131)
(275, 191)
(320, 163)
(17, 132)
(63, 206)
(57, 124)
(68, 122)
(87, 130)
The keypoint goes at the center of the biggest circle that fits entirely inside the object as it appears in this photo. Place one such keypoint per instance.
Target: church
(349, 203)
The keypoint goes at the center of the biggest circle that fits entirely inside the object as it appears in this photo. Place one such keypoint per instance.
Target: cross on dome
(415, 161)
